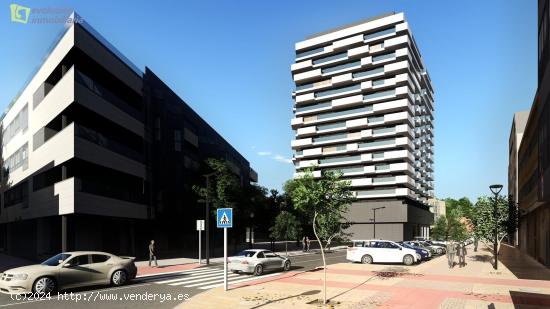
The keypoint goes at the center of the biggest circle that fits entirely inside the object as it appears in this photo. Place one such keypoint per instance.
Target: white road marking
(197, 276)
(203, 279)
(238, 281)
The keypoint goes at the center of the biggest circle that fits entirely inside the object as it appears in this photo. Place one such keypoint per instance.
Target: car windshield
(56, 260)
(246, 253)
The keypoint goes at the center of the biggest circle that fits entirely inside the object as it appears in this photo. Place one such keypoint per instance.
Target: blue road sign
(224, 217)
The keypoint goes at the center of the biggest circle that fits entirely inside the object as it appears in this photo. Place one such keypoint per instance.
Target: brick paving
(428, 285)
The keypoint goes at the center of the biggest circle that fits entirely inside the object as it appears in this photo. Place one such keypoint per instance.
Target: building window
(177, 140)
(17, 159)
(19, 123)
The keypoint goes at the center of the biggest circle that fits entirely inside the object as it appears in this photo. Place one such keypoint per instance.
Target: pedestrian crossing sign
(224, 217)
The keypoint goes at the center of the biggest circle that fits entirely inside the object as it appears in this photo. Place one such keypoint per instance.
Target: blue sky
(230, 61)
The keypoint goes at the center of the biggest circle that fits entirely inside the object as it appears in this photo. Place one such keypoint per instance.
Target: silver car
(69, 270)
(256, 261)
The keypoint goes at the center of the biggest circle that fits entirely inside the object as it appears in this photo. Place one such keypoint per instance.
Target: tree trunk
(286, 247)
(324, 261)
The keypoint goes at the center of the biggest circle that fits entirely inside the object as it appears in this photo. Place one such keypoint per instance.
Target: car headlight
(20, 277)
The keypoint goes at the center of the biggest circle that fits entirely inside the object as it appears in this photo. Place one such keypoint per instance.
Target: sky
(230, 61)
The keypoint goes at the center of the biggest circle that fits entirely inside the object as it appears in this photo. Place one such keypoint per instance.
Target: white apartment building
(364, 106)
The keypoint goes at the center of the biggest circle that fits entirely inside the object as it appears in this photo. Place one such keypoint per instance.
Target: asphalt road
(158, 291)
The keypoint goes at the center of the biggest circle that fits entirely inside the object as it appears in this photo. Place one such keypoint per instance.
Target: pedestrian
(451, 251)
(304, 244)
(462, 254)
(152, 254)
(308, 242)
(475, 244)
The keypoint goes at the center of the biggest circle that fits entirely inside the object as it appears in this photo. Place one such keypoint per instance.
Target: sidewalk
(179, 264)
(428, 285)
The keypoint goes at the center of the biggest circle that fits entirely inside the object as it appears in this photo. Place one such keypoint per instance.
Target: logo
(19, 14)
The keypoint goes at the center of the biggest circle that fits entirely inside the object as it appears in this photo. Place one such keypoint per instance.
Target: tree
(486, 223)
(513, 216)
(223, 186)
(462, 207)
(326, 199)
(450, 227)
(286, 227)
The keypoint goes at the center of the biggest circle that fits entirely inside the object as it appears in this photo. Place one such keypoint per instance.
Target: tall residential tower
(364, 106)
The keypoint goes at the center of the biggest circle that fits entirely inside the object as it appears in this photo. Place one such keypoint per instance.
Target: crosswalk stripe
(214, 281)
(192, 276)
(237, 281)
(194, 270)
(203, 279)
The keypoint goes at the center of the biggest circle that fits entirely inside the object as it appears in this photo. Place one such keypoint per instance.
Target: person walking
(475, 244)
(152, 254)
(451, 251)
(308, 242)
(304, 244)
(462, 254)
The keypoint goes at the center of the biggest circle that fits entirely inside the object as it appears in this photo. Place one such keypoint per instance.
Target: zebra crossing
(203, 278)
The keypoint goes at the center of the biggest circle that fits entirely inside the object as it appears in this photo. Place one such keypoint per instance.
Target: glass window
(338, 90)
(378, 82)
(312, 107)
(79, 260)
(382, 142)
(378, 155)
(368, 72)
(344, 113)
(383, 179)
(379, 33)
(341, 67)
(55, 260)
(310, 52)
(376, 192)
(260, 255)
(99, 258)
(330, 126)
(246, 253)
(340, 159)
(383, 57)
(378, 94)
(304, 86)
(330, 137)
(330, 58)
(383, 130)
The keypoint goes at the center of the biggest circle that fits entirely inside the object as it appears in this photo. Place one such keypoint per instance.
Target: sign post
(200, 227)
(224, 219)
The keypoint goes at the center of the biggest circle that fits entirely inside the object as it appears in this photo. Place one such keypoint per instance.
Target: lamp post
(496, 190)
(207, 218)
(251, 232)
(374, 220)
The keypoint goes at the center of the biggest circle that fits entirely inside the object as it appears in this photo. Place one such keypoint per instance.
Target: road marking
(203, 279)
(237, 281)
(197, 276)
(199, 269)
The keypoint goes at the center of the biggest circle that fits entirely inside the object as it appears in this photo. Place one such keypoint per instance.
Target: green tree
(286, 227)
(462, 207)
(449, 227)
(326, 199)
(486, 222)
(223, 184)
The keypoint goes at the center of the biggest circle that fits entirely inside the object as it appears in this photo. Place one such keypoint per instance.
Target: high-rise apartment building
(99, 155)
(364, 106)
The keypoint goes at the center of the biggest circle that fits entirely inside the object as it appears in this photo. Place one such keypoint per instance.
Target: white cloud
(281, 158)
(264, 153)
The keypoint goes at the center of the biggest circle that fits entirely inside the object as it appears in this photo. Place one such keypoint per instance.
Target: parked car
(425, 254)
(439, 242)
(419, 238)
(438, 249)
(69, 270)
(256, 261)
(381, 251)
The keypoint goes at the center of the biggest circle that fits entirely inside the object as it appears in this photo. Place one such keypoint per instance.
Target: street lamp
(251, 232)
(374, 220)
(496, 190)
(207, 217)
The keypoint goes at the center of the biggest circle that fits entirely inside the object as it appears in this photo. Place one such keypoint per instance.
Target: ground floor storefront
(534, 234)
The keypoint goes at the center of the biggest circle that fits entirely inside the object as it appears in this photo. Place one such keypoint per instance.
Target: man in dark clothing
(152, 254)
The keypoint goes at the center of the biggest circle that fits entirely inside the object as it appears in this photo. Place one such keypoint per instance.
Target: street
(161, 291)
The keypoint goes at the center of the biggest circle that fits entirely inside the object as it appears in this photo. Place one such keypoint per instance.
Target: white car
(381, 251)
(256, 261)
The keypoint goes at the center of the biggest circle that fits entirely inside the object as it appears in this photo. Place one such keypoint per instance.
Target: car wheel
(366, 259)
(286, 267)
(258, 270)
(408, 260)
(44, 285)
(119, 277)
(439, 251)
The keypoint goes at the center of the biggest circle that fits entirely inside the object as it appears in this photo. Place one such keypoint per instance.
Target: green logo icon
(19, 14)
